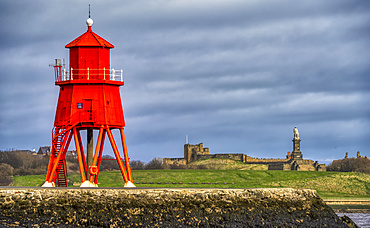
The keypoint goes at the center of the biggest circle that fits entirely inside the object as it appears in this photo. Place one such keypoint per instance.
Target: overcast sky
(235, 75)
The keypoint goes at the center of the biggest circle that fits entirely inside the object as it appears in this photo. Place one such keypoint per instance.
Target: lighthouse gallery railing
(87, 74)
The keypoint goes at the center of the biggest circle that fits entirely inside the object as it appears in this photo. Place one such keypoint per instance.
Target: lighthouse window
(79, 105)
(107, 102)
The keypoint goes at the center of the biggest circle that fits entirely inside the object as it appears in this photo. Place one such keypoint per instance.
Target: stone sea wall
(165, 208)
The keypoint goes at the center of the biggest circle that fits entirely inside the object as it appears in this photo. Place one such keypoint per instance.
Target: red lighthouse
(89, 99)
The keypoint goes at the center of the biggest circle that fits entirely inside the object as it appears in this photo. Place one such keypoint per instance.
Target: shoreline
(349, 206)
(347, 201)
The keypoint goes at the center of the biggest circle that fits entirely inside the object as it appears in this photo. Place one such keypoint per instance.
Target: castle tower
(296, 154)
(89, 99)
(189, 154)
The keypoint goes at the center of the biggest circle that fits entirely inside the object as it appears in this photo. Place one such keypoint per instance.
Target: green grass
(223, 163)
(329, 185)
(31, 180)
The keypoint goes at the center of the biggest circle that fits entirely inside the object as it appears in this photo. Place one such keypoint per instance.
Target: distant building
(33, 152)
(44, 150)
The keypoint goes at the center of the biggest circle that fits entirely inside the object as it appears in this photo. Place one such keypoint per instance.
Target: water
(361, 219)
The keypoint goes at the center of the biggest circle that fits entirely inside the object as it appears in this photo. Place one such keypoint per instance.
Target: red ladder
(61, 172)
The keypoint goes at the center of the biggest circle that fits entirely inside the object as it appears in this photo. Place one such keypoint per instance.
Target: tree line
(359, 164)
(19, 163)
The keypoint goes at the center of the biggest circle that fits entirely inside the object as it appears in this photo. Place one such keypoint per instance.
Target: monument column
(296, 154)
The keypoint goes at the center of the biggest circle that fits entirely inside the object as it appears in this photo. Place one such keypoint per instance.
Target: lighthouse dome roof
(89, 39)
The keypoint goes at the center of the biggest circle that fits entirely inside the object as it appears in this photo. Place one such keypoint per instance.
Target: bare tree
(156, 163)
(6, 174)
(137, 165)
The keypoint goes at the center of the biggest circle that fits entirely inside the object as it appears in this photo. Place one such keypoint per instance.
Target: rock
(348, 222)
(165, 208)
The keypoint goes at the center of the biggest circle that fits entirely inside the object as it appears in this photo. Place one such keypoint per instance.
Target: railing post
(104, 72)
(87, 73)
(56, 73)
(59, 73)
(71, 73)
(113, 74)
(121, 75)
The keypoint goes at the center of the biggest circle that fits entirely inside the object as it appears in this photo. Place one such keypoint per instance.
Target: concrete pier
(101, 207)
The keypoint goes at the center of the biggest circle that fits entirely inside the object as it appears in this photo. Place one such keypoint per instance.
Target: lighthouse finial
(89, 21)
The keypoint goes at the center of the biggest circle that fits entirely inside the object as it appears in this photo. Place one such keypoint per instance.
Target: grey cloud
(236, 75)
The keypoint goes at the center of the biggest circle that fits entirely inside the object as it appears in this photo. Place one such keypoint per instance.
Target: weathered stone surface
(165, 208)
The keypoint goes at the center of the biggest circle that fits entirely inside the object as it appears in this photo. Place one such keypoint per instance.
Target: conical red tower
(89, 99)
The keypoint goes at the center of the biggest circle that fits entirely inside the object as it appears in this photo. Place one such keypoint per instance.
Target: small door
(88, 109)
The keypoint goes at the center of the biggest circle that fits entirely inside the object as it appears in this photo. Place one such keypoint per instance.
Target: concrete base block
(136, 207)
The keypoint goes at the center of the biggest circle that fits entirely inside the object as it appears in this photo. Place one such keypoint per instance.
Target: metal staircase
(61, 136)
(62, 179)
(61, 172)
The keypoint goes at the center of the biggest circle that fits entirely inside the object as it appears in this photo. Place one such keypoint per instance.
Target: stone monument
(296, 154)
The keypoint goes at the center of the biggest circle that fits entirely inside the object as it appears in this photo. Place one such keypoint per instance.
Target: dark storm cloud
(236, 75)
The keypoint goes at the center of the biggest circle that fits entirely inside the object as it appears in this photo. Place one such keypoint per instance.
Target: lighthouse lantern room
(89, 99)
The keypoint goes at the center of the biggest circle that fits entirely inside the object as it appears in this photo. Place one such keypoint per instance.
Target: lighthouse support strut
(125, 154)
(128, 182)
(78, 151)
(116, 153)
(93, 169)
(82, 153)
(100, 155)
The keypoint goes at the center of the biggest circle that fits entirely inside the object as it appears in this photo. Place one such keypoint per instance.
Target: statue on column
(296, 153)
(296, 133)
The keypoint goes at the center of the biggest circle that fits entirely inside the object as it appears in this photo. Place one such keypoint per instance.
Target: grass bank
(222, 163)
(329, 185)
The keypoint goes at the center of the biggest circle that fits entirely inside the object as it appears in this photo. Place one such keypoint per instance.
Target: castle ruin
(293, 161)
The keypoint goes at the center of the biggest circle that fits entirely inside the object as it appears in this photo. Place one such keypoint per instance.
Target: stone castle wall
(237, 157)
(293, 161)
(251, 160)
(174, 161)
(299, 165)
(79, 207)
(197, 151)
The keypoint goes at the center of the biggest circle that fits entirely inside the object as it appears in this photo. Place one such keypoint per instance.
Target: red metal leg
(67, 145)
(97, 149)
(82, 153)
(50, 165)
(99, 158)
(118, 157)
(79, 155)
(125, 154)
